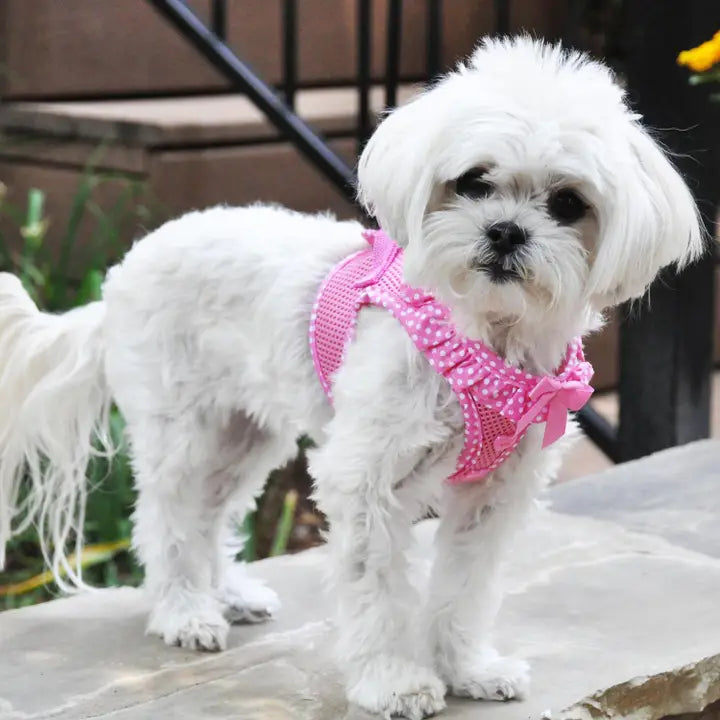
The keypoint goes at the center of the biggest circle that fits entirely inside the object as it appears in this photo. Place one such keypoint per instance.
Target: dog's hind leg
(193, 471)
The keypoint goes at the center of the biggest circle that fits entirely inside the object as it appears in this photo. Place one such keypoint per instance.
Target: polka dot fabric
(499, 401)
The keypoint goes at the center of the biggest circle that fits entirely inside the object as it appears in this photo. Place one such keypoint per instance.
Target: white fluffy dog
(201, 340)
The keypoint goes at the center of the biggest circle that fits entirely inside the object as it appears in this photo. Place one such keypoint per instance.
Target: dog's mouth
(498, 273)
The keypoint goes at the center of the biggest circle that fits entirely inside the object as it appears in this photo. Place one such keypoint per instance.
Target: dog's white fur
(201, 340)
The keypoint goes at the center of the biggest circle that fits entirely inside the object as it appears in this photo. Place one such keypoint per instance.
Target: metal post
(290, 51)
(392, 53)
(502, 17)
(264, 97)
(600, 431)
(364, 35)
(434, 39)
(219, 18)
(666, 345)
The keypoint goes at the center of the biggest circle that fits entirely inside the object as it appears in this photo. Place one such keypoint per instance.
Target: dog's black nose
(506, 237)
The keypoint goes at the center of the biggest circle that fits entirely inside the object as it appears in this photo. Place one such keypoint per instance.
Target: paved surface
(611, 589)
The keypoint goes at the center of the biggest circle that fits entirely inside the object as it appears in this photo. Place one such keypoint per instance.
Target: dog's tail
(54, 413)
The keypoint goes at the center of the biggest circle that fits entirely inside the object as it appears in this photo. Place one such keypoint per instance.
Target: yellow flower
(703, 57)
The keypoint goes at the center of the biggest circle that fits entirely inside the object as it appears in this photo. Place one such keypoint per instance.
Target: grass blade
(285, 524)
(91, 555)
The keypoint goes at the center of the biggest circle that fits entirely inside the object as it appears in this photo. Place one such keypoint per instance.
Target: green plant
(59, 270)
(62, 267)
(65, 267)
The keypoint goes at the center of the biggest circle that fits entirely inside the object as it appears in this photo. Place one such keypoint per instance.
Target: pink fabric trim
(499, 401)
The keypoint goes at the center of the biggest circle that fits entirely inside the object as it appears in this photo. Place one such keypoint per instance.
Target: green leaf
(90, 288)
(249, 552)
(285, 524)
(708, 76)
(71, 234)
(36, 201)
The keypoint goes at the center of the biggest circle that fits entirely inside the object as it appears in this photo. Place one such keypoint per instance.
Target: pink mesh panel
(336, 304)
(492, 425)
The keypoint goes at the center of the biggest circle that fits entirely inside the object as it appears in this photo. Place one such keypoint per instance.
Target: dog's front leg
(478, 523)
(379, 645)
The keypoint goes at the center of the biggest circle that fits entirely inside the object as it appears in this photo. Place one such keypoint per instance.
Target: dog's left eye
(473, 185)
(567, 206)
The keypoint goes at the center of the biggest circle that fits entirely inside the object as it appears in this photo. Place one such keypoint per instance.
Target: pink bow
(559, 397)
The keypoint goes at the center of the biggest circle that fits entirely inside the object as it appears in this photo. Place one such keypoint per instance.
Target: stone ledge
(179, 121)
(617, 620)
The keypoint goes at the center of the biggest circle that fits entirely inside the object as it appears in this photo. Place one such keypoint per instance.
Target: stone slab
(607, 606)
(675, 495)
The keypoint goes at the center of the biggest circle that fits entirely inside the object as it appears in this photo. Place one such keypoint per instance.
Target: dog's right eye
(473, 184)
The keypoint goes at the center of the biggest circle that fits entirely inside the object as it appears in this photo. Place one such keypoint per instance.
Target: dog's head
(522, 186)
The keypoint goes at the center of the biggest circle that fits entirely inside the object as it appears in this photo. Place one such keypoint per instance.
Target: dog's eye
(473, 185)
(567, 206)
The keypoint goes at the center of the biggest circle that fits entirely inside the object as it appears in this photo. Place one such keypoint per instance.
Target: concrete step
(178, 122)
(183, 153)
(612, 595)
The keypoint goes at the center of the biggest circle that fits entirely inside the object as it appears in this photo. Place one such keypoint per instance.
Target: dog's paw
(491, 677)
(190, 621)
(392, 686)
(247, 599)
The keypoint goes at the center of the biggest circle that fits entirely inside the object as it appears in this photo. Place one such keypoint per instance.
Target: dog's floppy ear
(651, 222)
(395, 174)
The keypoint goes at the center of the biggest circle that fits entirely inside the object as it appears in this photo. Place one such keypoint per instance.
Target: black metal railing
(364, 71)
(242, 77)
(392, 52)
(666, 360)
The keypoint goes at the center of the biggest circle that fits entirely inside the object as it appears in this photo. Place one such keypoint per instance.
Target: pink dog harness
(499, 401)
